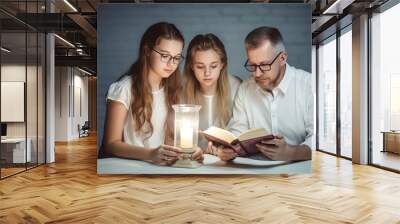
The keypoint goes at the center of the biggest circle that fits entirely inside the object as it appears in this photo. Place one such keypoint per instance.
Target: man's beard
(273, 83)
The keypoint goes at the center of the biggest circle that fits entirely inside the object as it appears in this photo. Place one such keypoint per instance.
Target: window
(346, 95)
(314, 82)
(22, 65)
(385, 88)
(327, 96)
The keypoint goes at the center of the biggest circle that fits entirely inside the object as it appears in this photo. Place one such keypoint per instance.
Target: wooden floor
(70, 191)
(5, 172)
(387, 159)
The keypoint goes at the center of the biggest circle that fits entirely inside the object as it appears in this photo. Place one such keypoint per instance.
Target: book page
(221, 134)
(252, 133)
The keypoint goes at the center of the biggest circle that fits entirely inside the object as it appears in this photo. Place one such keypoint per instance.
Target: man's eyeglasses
(263, 67)
(167, 58)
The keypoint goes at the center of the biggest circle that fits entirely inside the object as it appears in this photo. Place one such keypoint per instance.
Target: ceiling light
(5, 50)
(338, 6)
(70, 5)
(84, 71)
(65, 41)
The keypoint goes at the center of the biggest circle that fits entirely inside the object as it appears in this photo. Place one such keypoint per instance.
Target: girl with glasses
(139, 117)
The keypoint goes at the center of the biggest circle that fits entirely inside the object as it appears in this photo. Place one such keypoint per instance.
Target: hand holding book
(221, 152)
(278, 149)
(243, 145)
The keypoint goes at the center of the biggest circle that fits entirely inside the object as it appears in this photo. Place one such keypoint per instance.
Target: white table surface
(13, 140)
(212, 165)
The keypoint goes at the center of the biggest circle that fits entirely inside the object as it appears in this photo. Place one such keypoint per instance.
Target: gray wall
(120, 27)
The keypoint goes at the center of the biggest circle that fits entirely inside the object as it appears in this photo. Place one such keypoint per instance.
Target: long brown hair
(192, 86)
(141, 90)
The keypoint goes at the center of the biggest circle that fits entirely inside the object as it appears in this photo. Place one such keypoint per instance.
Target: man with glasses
(277, 97)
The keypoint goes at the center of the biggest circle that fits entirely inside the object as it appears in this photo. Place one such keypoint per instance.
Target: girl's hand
(225, 154)
(198, 155)
(165, 155)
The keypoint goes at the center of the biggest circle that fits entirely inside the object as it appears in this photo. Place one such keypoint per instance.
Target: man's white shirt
(287, 111)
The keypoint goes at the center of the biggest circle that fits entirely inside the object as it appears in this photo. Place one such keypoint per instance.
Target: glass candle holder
(186, 133)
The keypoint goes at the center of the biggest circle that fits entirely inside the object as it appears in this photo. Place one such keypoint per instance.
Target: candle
(186, 136)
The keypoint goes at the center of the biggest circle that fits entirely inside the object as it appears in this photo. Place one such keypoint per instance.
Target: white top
(289, 111)
(207, 115)
(120, 91)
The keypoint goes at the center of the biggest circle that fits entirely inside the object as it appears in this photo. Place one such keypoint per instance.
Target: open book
(244, 144)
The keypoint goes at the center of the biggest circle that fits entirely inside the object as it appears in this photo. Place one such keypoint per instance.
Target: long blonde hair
(192, 86)
(141, 90)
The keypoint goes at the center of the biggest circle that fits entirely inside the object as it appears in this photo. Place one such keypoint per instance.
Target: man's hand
(223, 153)
(278, 149)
